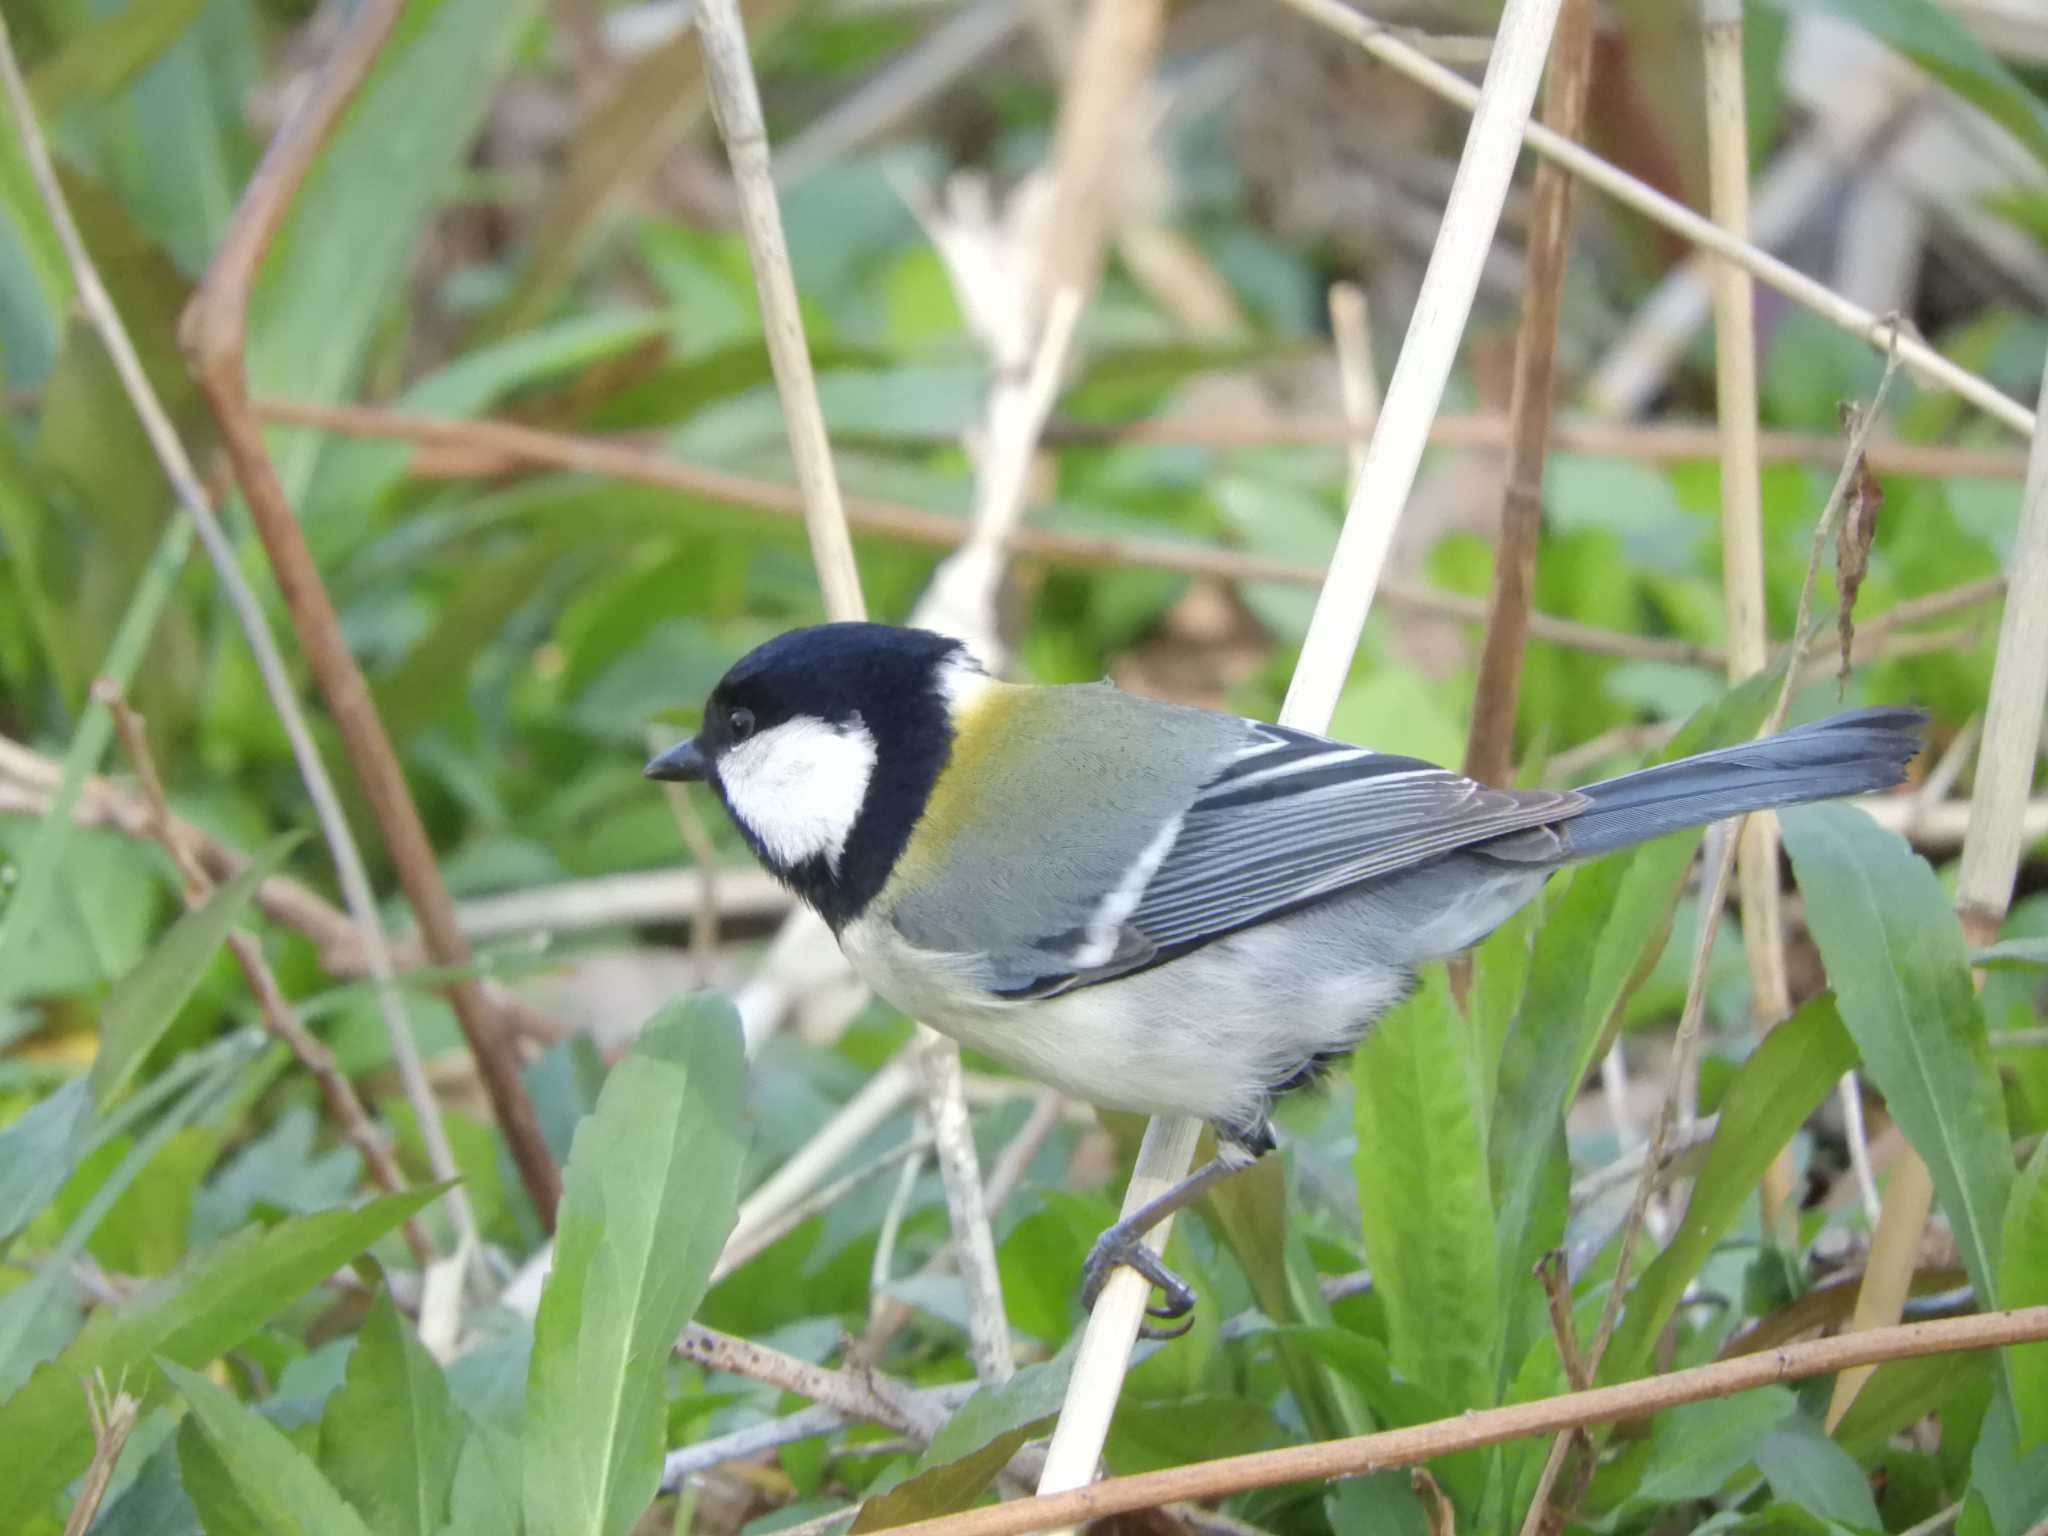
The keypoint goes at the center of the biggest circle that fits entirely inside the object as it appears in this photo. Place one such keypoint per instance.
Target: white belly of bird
(1203, 1035)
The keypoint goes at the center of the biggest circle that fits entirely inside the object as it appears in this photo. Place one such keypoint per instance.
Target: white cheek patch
(799, 786)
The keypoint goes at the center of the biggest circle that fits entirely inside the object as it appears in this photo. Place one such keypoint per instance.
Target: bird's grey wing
(1291, 818)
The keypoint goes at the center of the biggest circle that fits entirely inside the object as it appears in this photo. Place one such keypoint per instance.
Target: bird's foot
(1124, 1244)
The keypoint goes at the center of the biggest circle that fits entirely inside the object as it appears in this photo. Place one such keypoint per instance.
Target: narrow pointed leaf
(2024, 1265)
(274, 1480)
(649, 1197)
(972, 1447)
(38, 1152)
(1895, 952)
(1784, 1081)
(189, 1319)
(146, 1000)
(1600, 937)
(389, 1439)
(1424, 1196)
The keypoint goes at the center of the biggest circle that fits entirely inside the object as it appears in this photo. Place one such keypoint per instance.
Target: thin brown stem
(1490, 748)
(507, 442)
(865, 1395)
(214, 333)
(1417, 1443)
(114, 1415)
(198, 502)
(1691, 1018)
(1668, 442)
(279, 1017)
(1742, 538)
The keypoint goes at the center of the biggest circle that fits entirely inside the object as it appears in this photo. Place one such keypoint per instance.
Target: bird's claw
(1121, 1245)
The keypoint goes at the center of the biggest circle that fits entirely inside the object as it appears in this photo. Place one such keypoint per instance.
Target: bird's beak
(682, 763)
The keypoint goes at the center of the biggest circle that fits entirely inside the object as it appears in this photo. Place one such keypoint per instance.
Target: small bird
(1154, 907)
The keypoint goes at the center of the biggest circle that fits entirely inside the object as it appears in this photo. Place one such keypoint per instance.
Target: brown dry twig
(114, 1414)
(279, 1017)
(214, 333)
(1693, 1014)
(28, 779)
(1418, 1443)
(197, 500)
(1490, 746)
(531, 446)
(865, 1395)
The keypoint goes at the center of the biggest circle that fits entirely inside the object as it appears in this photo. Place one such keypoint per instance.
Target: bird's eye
(741, 724)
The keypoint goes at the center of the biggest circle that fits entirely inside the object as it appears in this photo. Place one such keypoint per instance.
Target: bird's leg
(1125, 1244)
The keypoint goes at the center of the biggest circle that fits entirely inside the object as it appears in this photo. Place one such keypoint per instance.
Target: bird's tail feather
(1847, 754)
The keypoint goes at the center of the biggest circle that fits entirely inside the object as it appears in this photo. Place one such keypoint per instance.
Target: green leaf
(485, 1498)
(649, 1197)
(391, 1436)
(2024, 1283)
(385, 171)
(1901, 971)
(1598, 939)
(1151, 1435)
(1939, 43)
(26, 910)
(36, 286)
(1249, 1212)
(276, 1483)
(2014, 1484)
(1806, 1468)
(1423, 1194)
(24, 1307)
(2012, 955)
(1696, 1448)
(38, 1153)
(1903, 1393)
(972, 1447)
(1785, 1079)
(99, 59)
(146, 1000)
(232, 1291)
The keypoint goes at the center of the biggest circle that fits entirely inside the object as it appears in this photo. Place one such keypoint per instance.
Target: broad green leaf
(275, 1480)
(189, 1319)
(1249, 1212)
(146, 1000)
(484, 1500)
(1599, 938)
(1784, 1081)
(2024, 1283)
(1806, 1468)
(99, 59)
(2013, 954)
(1939, 42)
(154, 1504)
(1903, 1393)
(2013, 1481)
(1423, 1195)
(1152, 1434)
(1383, 1503)
(1901, 971)
(390, 1438)
(1696, 1448)
(387, 168)
(972, 1447)
(648, 1199)
(39, 1151)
